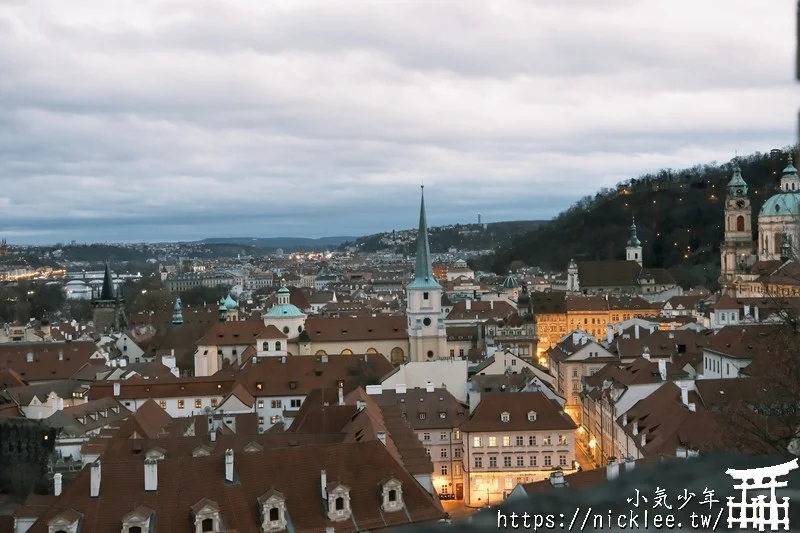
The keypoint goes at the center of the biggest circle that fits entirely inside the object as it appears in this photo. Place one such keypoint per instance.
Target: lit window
(259, 385)
(476, 442)
(274, 419)
(260, 420)
(162, 404)
(492, 441)
(198, 404)
(506, 441)
(214, 402)
(260, 404)
(180, 404)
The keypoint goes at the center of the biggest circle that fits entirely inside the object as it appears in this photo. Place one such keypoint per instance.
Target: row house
(435, 416)
(76, 425)
(551, 319)
(731, 350)
(507, 363)
(730, 311)
(577, 355)
(41, 401)
(255, 490)
(450, 374)
(517, 333)
(610, 393)
(686, 305)
(511, 439)
(769, 279)
(47, 362)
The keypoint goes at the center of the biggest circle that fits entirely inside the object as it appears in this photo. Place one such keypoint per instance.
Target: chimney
(636, 331)
(635, 427)
(400, 388)
(644, 440)
(150, 474)
(213, 435)
(491, 305)
(662, 369)
(610, 336)
(116, 388)
(625, 420)
(685, 396)
(429, 387)
(283, 359)
(172, 352)
(57, 484)
(469, 305)
(755, 313)
(630, 464)
(612, 470)
(646, 353)
(60, 355)
(692, 407)
(341, 395)
(382, 437)
(652, 328)
(323, 481)
(94, 484)
(123, 363)
(229, 465)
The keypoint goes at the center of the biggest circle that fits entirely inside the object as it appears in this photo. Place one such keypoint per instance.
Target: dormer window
(273, 511)
(338, 502)
(206, 516)
(66, 522)
(137, 520)
(391, 495)
(531, 416)
(505, 417)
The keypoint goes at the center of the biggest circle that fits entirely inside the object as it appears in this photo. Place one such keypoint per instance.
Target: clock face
(739, 191)
(740, 203)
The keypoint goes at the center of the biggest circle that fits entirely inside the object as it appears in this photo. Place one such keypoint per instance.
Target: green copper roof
(510, 282)
(634, 242)
(283, 290)
(782, 204)
(423, 268)
(230, 303)
(284, 310)
(737, 186)
(177, 314)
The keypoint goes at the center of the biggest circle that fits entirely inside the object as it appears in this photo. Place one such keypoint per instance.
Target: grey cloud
(325, 116)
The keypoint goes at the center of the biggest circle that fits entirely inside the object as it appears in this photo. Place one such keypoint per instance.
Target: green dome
(783, 204)
(284, 310)
(230, 303)
(510, 282)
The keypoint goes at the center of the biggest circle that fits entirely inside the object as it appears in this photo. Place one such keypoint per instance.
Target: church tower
(633, 251)
(573, 283)
(737, 247)
(177, 312)
(108, 313)
(426, 333)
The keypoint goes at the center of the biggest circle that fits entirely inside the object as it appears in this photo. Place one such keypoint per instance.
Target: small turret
(737, 187)
(633, 252)
(223, 311)
(177, 313)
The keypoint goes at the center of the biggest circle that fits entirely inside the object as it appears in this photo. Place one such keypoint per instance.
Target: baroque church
(744, 260)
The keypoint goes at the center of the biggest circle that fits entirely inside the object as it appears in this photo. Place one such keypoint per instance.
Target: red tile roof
(487, 415)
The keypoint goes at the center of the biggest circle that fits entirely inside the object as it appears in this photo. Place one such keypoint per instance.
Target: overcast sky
(169, 120)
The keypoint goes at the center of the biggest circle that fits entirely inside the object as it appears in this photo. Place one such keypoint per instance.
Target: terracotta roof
(743, 342)
(608, 273)
(296, 297)
(292, 471)
(549, 302)
(487, 415)
(238, 333)
(356, 329)
(50, 360)
(145, 388)
(298, 375)
(440, 409)
(90, 416)
(688, 302)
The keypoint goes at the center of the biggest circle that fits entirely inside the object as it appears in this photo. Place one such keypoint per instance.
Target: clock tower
(426, 331)
(737, 248)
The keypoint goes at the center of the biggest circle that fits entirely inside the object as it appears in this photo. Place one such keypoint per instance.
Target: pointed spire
(107, 293)
(423, 269)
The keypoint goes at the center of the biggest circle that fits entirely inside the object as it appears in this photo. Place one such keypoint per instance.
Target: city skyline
(178, 122)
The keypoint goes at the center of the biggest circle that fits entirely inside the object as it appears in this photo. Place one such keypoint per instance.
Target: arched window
(277, 345)
(740, 223)
(265, 346)
(339, 503)
(208, 525)
(372, 350)
(347, 351)
(392, 495)
(398, 356)
(321, 352)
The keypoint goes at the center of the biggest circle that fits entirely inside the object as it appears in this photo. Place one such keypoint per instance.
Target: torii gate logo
(758, 512)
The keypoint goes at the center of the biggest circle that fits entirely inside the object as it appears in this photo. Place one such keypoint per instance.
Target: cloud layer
(166, 120)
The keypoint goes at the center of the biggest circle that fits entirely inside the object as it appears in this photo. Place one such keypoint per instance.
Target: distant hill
(460, 236)
(679, 214)
(287, 243)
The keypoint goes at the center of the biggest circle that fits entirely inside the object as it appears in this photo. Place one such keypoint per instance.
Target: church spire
(634, 240)
(423, 269)
(107, 293)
